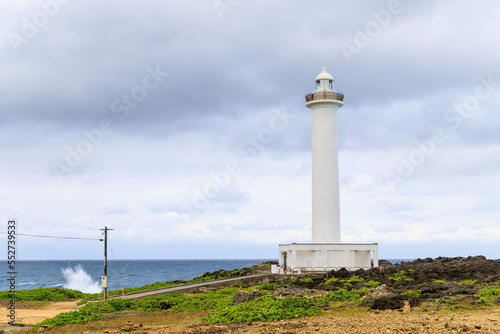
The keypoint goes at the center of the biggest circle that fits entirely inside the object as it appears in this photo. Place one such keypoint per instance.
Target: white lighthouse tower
(326, 252)
(324, 103)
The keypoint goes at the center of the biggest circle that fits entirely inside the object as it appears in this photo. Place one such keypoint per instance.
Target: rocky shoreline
(416, 281)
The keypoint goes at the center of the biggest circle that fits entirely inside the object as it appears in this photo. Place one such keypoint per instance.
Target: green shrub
(412, 293)
(108, 306)
(438, 281)
(331, 280)
(308, 280)
(44, 294)
(354, 279)
(73, 317)
(467, 282)
(448, 302)
(371, 283)
(488, 293)
(485, 301)
(400, 276)
(239, 284)
(266, 309)
(342, 294)
(267, 286)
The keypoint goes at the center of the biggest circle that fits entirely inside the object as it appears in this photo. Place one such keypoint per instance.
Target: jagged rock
(165, 305)
(384, 264)
(285, 291)
(389, 301)
(420, 274)
(406, 307)
(129, 327)
(243, 297)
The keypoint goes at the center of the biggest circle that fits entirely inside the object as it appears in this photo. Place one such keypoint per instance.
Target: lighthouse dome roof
(324, 75)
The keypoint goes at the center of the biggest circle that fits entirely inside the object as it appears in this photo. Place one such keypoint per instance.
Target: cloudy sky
(182, 125)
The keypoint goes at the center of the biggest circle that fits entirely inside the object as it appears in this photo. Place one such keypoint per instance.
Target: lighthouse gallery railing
(325, 95)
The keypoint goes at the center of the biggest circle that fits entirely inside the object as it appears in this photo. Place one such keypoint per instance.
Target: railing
(325, 95)
(312, 270)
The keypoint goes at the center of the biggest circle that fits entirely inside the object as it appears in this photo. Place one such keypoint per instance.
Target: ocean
(85, 275)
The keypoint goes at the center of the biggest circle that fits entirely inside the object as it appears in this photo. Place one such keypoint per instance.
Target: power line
(52, 236)
(42, 221)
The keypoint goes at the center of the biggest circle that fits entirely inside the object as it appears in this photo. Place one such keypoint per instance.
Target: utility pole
(105, 277)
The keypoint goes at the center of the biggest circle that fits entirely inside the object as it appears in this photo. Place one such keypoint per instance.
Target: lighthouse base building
(326, 252)
(315, 257)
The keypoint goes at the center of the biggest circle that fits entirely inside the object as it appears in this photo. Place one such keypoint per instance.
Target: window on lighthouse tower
(317, 84)
(330, 84)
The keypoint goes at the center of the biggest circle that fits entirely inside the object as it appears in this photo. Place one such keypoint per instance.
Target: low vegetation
(372, 283)
(264, 308)
(73, 317)
(412, 293)
(44, 294)
(488, 293)
(399, 276)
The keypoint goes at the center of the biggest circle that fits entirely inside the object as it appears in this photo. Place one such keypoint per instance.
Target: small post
(121, 286)
(105, 277)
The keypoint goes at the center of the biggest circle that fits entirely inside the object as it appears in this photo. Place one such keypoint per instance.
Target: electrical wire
(42, 221)
(111, 249)
(52, 236)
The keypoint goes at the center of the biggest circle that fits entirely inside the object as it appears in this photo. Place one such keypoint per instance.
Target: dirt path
(29, 316)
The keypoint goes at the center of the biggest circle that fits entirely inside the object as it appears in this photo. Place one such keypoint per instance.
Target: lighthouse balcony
(325, 95)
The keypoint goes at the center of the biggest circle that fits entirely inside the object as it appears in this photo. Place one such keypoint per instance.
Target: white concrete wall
(362, 258)
(351, 256)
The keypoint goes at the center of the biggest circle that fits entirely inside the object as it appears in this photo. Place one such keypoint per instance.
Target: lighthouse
(325, 252)
(324, 103)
